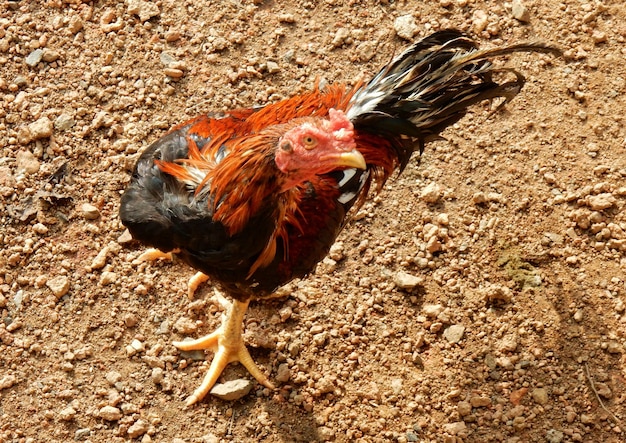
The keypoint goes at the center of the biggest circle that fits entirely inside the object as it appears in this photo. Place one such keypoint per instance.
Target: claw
(194, 282)
(152, 255)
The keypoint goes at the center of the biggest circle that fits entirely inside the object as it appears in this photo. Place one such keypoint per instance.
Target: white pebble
(405, 27)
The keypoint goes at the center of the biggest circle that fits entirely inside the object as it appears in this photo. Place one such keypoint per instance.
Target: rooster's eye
(309, 141)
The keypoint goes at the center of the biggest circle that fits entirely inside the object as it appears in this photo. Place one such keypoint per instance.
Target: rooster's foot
(227, 344)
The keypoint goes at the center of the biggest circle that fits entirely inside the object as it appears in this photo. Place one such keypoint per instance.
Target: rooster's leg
(227, 344)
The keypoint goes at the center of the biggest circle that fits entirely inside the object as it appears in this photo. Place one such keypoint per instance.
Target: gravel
(513, 228)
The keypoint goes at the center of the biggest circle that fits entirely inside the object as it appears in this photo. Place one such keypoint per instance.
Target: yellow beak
(352, 159)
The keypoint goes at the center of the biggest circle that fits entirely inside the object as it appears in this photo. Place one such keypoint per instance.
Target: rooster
(256, 197)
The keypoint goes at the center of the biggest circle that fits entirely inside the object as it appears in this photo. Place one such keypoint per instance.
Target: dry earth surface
(479, 298)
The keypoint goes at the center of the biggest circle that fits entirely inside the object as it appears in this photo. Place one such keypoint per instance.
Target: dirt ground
(480, 298)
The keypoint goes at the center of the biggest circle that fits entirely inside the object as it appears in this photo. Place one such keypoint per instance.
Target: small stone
(587, 419)
(89, 211)
(499, 293)
(432, 311)
(554, 436)
(604, 390)
(107, 278)
(432, 193)
(272, 67)
(125, 238)
(59, 286)
(405, 26)
(520, 11)
(336, 251)
(110, 413)
(64, 122)
(138, 428)
(158, 375)
(42, 128)
(455, 428)
(454, 333)
(185, 325)
(283, 374)
(407, 281)
(340, 37)
(82, 434)
(34, 57)
(67, 414)
(540, 396)
(232, 390)
(26, 163)
(479, 401)
(50, 55)
(40, 228)
(578, 315)
(601, 201)
(479, 21)
(173, 72)
(614, 347)
(112, 377)
(464, 408)
(7, 381)
(172, 36)
(75, 24)
(143, 9)
(508, 344)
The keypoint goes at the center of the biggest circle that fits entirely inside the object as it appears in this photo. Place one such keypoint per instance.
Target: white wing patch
(351, 193)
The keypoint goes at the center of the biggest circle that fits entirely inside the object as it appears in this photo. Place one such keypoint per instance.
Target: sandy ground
(479, 298)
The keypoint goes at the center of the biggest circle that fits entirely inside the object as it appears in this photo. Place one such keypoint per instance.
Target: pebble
(404, 280)
(464, 408)
(614, 347)
(82, 434)
(110, 413)
(454, 333)
(283, 373)
(34, 57)
(336, 251)
(67, 413)
(540, 396)
(554, 436)
(455, 428)
(26, 163)
(272, 67)
(432, 311)
(89, 211)
(50, 55)
(232, 390)
(113, 377)
(601, 201)
(107, 278)
(508, 344)
(173, 73)
(138, 428)
(143, 9)
(42, 128)
(520, 11)
(432, 193)
(7, 381)
(479, 21)
(405, 26)
(59, 285)
(479, 401)
(185, 325)
(64, 122)
(495, 292)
